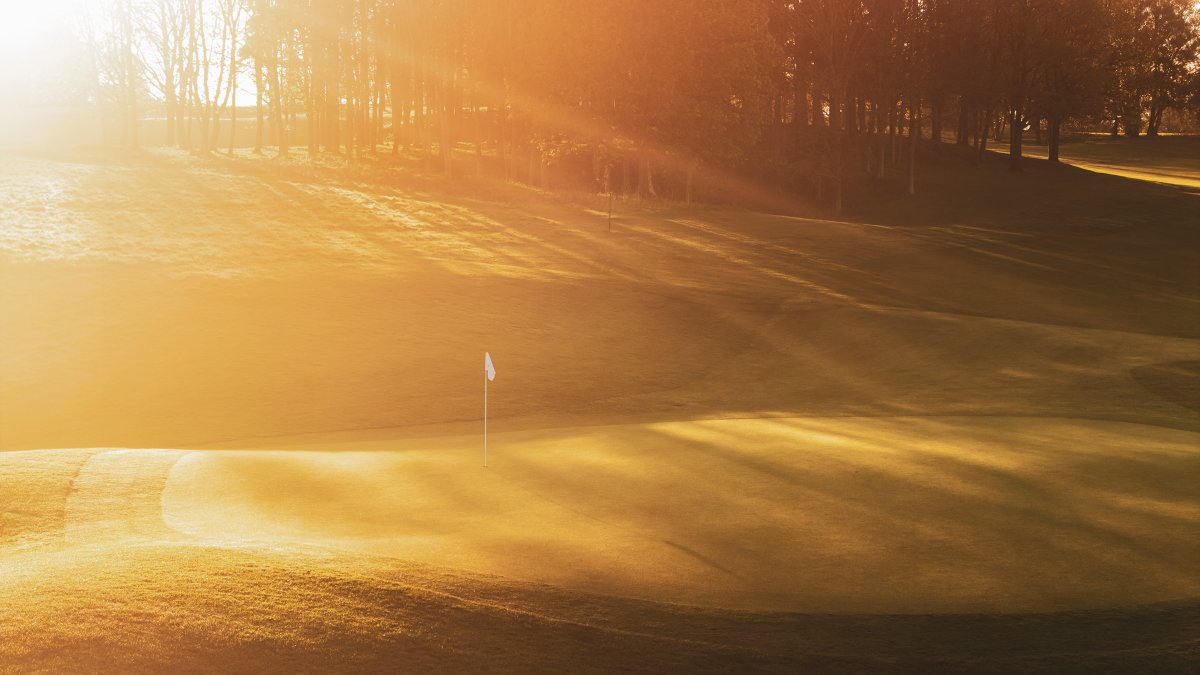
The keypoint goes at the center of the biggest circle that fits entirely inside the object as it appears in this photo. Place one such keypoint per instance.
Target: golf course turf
(241, 400)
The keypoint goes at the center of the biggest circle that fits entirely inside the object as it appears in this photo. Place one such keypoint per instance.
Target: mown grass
(1166, 155)
(169, 301)
(164, 300)
(193, 609)
(33, 492)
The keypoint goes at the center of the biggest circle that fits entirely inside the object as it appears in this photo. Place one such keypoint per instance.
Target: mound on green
(868, 515)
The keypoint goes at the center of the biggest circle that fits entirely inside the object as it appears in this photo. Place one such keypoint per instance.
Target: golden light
(33, 35)
(26, 29)
(256, 257)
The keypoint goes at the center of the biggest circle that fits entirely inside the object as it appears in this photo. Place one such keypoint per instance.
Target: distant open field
(240, 409)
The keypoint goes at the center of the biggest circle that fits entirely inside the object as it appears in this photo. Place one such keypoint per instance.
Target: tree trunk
(1133, 124)
(366, 134)
(477, 126)
(935, 121)
(645, 177)
(1014, 140)
(333, 96)
(180, 96)
(1155, 121)
(377, 124)
(277, 87)
(187, 82)
(399, 86)
(982, 138)
(131, 74)
(880, 143)
(500, 127)
(446, 142)
(687, 193)
(420, 123)
(881, 148)
(964, 122)
(233, 116)
(835, 136)
(893, 131)
(914, 133)
(312, 106)
(168, 79)
(1052, 151)
(258, 108)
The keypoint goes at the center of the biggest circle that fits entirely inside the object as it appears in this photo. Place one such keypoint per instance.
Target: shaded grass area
(1046, 198)
(199, 608)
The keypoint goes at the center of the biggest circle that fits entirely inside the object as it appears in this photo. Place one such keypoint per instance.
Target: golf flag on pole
(489, 374)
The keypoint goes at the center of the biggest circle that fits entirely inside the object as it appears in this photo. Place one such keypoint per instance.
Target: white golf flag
(487, 365)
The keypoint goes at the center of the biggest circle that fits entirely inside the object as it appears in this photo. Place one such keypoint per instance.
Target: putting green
(873, 515)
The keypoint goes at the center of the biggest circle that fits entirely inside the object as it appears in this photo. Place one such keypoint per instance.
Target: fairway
(719, 438)
(1171, 160)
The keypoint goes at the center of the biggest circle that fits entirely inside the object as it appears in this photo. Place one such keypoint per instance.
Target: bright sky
(26, 25)
(33, 34)
(36, 40)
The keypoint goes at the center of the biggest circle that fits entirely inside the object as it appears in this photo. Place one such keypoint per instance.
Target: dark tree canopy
(632, 95)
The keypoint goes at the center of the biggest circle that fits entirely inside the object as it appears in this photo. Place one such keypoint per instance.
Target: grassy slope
(282, 304)
(180, 303)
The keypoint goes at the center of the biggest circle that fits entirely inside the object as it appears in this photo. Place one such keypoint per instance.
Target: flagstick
(485, 380)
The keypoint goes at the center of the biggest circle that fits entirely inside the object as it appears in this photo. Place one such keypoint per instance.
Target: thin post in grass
(485, 381)
(489, 373)
(608, 191)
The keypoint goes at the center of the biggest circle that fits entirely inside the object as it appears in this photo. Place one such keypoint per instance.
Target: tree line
(643, 97)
